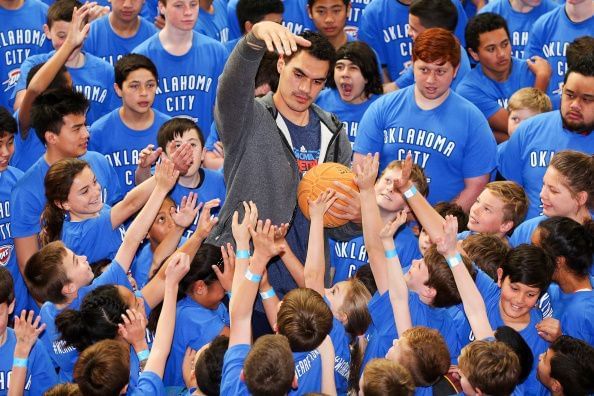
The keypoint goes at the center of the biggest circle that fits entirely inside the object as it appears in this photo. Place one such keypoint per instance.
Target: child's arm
(165, 177)
(241, 234)
(133, 330)
(366, 174)
(396, 283)
(326, 350)
(26, 331)
(243, 296)
(474, 305)
(315, 262)
(77, 31)
(291, 262)
(179, 265)
(269, 299)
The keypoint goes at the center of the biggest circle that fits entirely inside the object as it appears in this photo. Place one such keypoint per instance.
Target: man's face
(329, 16)
(73, 138)
(433, 80)
(577, 103)
(301, 80)
(494, 52)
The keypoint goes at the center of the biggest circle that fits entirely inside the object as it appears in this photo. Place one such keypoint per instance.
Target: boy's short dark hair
(8, 124)
(59, 81)
(103, 368)
(255, 11)
(305, 319)
(530, 265)
(579, 51)
(61, 10)
(441, 278)
(487, 251)
(269, 367)
(131, 62)
(320, 49)
(50, 108)
(449, 208)
(365, 276)
(209, 366)
(6, 286)
(483, 23)
(573, 365)
(176, 127)
(267, 71)
(435, 13)
(45, 275)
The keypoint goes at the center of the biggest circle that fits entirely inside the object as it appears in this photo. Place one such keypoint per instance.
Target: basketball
(320, 178)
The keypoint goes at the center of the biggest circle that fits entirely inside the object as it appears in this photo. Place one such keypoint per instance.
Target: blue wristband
(268, 294)
(455, 260)
(19, 362)
(391, 253)
(242, 254)
(410, 192)
(143, 355)
(252, 277)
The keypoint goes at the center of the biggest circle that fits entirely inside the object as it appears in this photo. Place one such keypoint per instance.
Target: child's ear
(62, 205)
(275, 328)
(506, 226)
(556, 386)
(429, 292)
(46, 31)
(309, 12)
(68, 288)
(499, 276)
(203, 155)
(11, 307)
(295, 383)
(242, 376)
(582, 198)
(473, 54)
(117, 89)
(199, 288)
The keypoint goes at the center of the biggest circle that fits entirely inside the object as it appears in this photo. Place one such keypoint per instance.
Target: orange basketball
(320, 178)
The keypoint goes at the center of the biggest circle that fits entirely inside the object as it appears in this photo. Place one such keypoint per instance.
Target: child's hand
(96, 11)
(166, 175)
(218, 149)
(185, 215)
(263, 238)
(390, 228)
(446, 244)
(241, 232)
(366, 172)
(549, 329)
(133, 330)
(79, 26)
(403, 183)
(188, 368)
(226, 277)
(148, 156)
(206, 222)
(181, 156)
(27, 331)
(178, 267)
(318, 207)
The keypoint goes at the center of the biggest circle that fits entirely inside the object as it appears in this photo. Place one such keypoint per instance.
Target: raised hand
(181, 156)
(206, 222)
(447, 243)
(166, 175)
(133, 328)
(321, 204)
(148, 156)
(279, 235)
(366, 172)
(390, 228)
(226, 276)
(178, 267)
(79, 26)
(549, 329)
(241, 232)
(27, 330)
(403, 183)
(278, 38)
(187, 212)
(263, 238)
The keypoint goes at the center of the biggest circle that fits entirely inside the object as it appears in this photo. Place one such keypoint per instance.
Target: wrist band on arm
(391, 253)
(268, 294)
(143, 355)
(410, 192)
(19, 362)
(454, 260)
(252, 277)
(242, 254)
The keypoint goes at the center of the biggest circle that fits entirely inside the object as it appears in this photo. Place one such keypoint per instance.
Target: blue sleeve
(406, 78)
(41, 370)
(213, 137)
(487, 287)
(368, 33)
(231, 384)
(479, 96)
(149, 383)
(26, 67)
(479, 153)
(26, 211)
(535, 40)
(370, 135)
(511, 159)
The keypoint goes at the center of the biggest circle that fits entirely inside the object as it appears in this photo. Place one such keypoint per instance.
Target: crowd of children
(150, 237)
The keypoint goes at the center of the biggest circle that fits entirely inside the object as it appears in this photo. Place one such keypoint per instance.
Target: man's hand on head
(278, 38)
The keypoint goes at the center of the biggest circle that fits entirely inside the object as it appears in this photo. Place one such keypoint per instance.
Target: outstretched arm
(27, 330)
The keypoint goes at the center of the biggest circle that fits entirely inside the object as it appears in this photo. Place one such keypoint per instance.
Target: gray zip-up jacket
(259, 162)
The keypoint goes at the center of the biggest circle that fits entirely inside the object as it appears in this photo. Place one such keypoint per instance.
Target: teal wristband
(252, 277)
(268, 294)
(410, 192)
(19, 362)
(455, 260)
(391, 253)
(242, 254)
(143, 355)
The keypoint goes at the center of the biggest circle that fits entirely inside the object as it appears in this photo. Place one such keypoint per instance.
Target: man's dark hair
(131, 62)
(7, 123)
(435, 13)
(50, 108)
(255, 11)
(483, 23)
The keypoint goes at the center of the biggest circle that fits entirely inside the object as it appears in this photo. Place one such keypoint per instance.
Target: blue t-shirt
(408, 77)
(523, 232)
(40, 373)
(382, 330)
(451, 143)
(350, 114)
(231, 384)
(21, 36)
(342, 354)
(187, 83)
(28, 196)
(348, 256)
(94, 79)
(529, 150)
(94, 237)
(195, 326)
(295, 17)
(106, 44)
(308, 369)
(28, 150)
(211, 186)
(575, 311)
(215, 25)
(549, 38)
(518, 23)
(489, 95)
(149, 383)
(123, 152)
(232, 21)
(64, 357)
